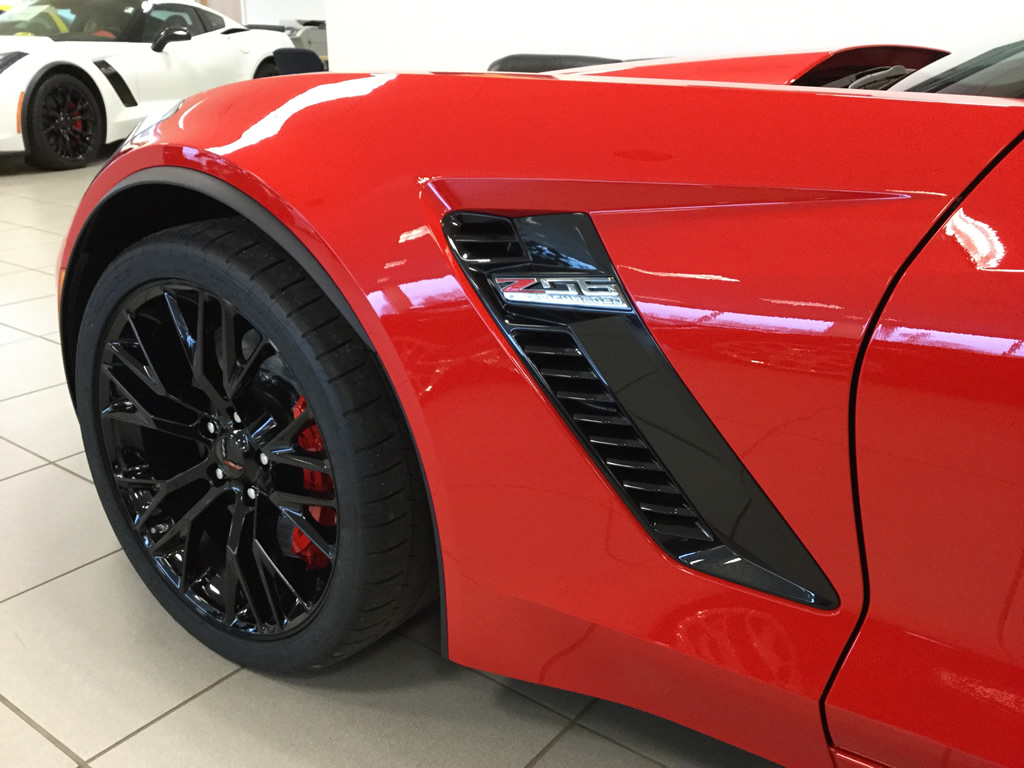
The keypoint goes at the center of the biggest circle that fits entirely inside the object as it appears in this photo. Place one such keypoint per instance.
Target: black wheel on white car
(267, 68)
(65, 126)
(249, 452)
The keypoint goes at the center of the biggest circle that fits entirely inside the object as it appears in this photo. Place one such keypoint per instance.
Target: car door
(183, 67)
(936, 676)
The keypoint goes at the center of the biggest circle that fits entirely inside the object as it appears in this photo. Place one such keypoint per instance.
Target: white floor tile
(6, 268)
(92, 657)
(14, 461)
(396, 704)
(27, 237)
(36, 316)
(28, 365)
(41, 256)
(663, 741)
(425, 629)
(564, 702)
(50, 523)
(77, 464)
(580, 748)
(8, 334)
(22, 745)
(25, 284)
(43, 422)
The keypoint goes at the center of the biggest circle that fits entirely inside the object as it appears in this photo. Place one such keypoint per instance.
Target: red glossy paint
(775, 69)
(936, 676)
(846, 760)
(548, 576)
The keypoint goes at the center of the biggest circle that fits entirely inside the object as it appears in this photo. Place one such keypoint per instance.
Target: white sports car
(76, 74)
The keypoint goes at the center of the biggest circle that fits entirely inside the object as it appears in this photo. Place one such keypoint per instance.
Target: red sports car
(702, 397)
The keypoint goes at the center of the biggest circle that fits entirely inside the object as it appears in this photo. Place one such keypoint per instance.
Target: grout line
(72, 472)
(23, 267)
(626, 747)
(547, 747)
(172, 710)
(34, 391)
(503, 684)
(29, 450)
(60, 576)
(36, 229)
(16, 302)
(21, 330)
(43, 732)
(32, 298)
(529, 698)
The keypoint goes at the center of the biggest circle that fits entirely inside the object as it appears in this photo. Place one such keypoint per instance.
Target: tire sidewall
(150, 262)
(39, 152)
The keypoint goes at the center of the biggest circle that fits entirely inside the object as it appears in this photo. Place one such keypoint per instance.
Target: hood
(813, 69)
(61, 49)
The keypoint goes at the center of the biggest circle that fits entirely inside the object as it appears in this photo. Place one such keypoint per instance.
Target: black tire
(384, 569)
(66, 124)
(267, 68)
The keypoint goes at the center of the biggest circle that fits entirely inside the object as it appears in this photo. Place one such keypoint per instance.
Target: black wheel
(249, 452)
(266, 68)
(66, 126)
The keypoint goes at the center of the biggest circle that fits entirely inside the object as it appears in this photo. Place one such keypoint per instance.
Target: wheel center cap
(231, 451)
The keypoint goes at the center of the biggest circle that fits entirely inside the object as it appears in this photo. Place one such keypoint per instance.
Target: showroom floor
(92, 672)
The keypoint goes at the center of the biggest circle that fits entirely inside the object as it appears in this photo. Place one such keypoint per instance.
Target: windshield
(71, 19)
(997, 71)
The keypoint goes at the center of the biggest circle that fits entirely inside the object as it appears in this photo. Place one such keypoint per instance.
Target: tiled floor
(93, 672)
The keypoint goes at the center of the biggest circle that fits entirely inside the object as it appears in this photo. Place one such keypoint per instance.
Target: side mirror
(170, 35)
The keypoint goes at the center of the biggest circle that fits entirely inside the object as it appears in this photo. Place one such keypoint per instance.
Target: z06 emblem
(575, 292)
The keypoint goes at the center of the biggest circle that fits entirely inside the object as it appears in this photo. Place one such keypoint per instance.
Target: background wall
(272, 11)
(468, 34)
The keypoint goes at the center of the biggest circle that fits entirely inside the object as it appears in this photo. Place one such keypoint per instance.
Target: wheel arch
(158, 198)
(266, 59)
(58, 68)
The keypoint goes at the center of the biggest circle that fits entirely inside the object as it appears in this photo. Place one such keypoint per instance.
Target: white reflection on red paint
(741, 320)
(415, 295)
(981, 242)
(971, 342)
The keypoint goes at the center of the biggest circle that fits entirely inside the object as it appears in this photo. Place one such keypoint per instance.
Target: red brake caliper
(309, 439)
(77, 123)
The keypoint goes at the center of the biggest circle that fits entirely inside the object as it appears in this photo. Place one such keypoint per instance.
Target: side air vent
(613, 439)
(551, 287)
(485, 240)
(124, 93)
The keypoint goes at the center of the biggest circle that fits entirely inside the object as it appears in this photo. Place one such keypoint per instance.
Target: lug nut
(237, 418)
(251, 493)
(264, 460)
(219, 473)
(211, 427)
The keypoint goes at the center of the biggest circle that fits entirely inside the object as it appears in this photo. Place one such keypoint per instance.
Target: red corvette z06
(695, 386)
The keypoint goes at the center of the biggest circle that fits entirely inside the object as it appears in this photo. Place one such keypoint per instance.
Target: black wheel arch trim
(232, 198)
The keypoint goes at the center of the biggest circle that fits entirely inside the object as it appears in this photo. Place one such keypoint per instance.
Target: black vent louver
(611, 436)
(485, 240)
(551, 287)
